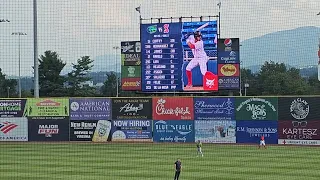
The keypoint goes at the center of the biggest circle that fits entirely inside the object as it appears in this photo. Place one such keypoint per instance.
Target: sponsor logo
(228, 70)
(83, 125)
(299, 109)
(131, 84)
(152, 29)
(127, 48)
(223, 108)
(131, 70)
(228, 42)
(299, 131)
(88, 106)
(163, 127)
(138, 47)
(162, 110)
(258, 110)
(48, 130)
(10, 106)
(6, 127)
(48, 102)
(232, 54)
(210, 82)
(130, 108)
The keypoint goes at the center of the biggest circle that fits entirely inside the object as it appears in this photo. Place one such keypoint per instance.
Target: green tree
(276, 79)
(7, 85)
(78, 76)
(109, 87)
(50, 81)
(248, 77)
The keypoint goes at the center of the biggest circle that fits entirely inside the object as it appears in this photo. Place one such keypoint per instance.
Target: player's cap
(197, 34)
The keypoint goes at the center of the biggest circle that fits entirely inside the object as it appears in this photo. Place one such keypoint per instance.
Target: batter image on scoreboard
(196, 51)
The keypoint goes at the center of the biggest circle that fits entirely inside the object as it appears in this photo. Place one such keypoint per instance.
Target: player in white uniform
(200, 57)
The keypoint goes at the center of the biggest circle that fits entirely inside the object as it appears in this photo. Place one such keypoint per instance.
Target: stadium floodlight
(19, 81)
(318, 14)
(115, 57)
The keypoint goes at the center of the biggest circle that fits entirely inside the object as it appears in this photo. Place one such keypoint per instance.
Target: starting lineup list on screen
(162, 57)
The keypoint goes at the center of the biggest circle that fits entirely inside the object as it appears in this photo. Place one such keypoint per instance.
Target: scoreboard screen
(165, 56)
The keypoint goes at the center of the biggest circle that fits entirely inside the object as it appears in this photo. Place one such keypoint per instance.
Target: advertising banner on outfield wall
(251, 131)
(47, 107)
(214, 108)
(14, 129)
(131, 130)
(256, 108)
(223, 131)
(172, 108)
(48, 130)
(173, 131)
(299, 132)
(299, 108)
(132, 108)
(12, 107)
(90, 109)
(90, 130)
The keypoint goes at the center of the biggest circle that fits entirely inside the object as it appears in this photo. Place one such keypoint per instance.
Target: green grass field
(36, 161)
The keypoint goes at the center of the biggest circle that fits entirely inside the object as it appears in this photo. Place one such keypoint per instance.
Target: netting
(81, 54)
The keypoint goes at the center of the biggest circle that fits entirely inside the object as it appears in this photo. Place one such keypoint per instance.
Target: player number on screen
(171, 61)
(148, 87)
(148, 46)
(172, 40)
(172, 50)
(171, 66)
(172, 56)
(148, 51)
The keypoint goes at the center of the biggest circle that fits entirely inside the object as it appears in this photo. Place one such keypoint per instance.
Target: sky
(76, 28)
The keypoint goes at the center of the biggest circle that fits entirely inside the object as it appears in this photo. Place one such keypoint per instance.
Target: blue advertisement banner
(228, 57)
(90, 109)
(229, 82)
(131, 130)
(173, 131)
(251, 131)
(214, 108)
(223, 131)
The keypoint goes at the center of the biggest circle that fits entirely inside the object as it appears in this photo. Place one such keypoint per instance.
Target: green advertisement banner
(47, 107)
(256, 108)
(131, 71)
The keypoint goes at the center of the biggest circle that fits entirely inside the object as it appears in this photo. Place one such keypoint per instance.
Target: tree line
(272, 79)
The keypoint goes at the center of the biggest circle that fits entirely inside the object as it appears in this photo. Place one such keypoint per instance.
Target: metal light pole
(115, 57)
(35, 50)
(19, 81)
(246, 85)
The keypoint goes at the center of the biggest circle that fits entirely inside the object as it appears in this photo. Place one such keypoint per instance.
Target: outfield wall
(282, 120)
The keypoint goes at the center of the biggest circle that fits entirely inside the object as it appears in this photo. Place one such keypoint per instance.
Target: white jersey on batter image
(200, 56)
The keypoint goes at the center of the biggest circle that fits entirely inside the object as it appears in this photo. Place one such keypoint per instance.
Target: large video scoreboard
(165, 55)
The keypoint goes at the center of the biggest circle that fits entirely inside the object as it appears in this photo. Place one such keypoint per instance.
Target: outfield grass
(36, 161)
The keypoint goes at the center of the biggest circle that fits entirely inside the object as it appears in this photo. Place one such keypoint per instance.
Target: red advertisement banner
(172, 108)
(131, 84)
(299, 130)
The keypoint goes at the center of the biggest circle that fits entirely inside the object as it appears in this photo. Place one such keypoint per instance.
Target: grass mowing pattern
(33, 161)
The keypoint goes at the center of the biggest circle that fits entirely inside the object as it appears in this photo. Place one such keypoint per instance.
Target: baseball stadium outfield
(119, 161)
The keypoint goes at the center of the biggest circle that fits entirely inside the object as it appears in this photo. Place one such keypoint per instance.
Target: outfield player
(200, 57)
(262, 142)
(177, 167)
(199, 151)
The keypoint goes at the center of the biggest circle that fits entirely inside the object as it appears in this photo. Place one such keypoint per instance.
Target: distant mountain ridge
(297, 47)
